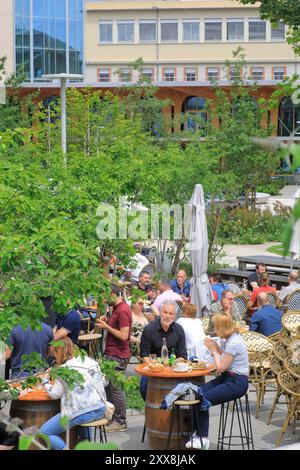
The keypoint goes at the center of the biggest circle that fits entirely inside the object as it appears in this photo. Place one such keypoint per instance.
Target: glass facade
(49, 36)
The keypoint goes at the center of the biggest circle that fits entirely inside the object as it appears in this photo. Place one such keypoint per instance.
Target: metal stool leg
(239, 410)
(144, 432)
(249, 425)
(177, 419)
(171, 426)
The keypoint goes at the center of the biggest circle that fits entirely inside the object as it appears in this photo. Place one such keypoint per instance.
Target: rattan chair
(285, 337)
(276, 366)
(281, 351)
(272, 298)
(297, 332)
(241, 302)
(291, 387)
(275, 337)
(293, 300)
(233, 286)
(205, 323)
(260, 375)
(292, 365)
(291, 321)
(179, 311)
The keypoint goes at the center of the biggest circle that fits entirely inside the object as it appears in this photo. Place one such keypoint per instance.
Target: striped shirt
(236, 347)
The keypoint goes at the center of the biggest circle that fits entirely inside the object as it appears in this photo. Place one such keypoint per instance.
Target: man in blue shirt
(267, 319)
(67, 325)
(26, 342)
(181, 285)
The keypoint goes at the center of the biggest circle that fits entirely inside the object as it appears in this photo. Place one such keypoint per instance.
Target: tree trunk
(177, 255)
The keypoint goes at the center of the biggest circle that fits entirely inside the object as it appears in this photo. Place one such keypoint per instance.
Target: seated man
(226, 306)
(144, 285)
(153, 334)
(267, 319)
(26, 342)
(166, 293)
(67, 325)
(181, 285)
(254, 280)
(217, 285)
(265, 280)
(293, 285)
(137, 263)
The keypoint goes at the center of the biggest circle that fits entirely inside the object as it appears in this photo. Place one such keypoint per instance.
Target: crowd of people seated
(138, 328)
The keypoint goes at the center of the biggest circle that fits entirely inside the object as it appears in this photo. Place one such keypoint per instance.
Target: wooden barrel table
(157, 420)
(35, 409)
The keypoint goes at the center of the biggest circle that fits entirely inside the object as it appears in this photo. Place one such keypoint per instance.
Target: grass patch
(134, 400)
(277, 249)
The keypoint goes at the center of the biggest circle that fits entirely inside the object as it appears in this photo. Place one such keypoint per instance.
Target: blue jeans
(224, 388)
(52, 427)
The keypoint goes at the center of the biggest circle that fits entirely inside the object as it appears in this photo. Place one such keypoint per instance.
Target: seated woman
(139, 321)
(80, 405)
(232, 364)
(265, 280)
(193, 330)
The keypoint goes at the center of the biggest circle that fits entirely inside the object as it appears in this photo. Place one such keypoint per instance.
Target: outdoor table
(36, 408)
(270, 261)
(157, 421)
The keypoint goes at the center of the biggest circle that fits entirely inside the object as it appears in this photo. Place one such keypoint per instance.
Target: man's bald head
(262, 299)
(293, 276)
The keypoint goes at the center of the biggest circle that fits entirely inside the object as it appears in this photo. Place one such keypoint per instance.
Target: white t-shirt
(139, 262)
(194, 335)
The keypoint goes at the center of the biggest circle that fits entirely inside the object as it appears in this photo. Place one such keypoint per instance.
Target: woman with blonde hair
(232, 365)
(82, 404)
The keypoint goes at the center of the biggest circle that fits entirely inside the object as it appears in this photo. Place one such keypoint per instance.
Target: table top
(168, 373)
(280, 261)
(34, 394)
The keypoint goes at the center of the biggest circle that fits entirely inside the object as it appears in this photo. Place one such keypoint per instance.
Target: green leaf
(86, 445)
(64, 421)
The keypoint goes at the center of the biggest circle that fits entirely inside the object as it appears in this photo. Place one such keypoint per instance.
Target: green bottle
(172, 358)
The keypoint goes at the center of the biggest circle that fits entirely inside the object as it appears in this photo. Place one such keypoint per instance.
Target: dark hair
(216, 277)
(260, 264)
(115, 290)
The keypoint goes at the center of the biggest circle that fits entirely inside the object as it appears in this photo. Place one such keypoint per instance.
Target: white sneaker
(195, 443)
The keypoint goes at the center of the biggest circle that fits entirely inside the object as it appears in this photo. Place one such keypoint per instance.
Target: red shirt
(120, 318)
(253, 296)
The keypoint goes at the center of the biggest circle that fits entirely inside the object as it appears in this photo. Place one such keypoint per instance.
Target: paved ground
(264, 436)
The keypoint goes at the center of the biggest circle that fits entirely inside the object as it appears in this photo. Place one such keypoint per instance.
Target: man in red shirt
(118, 328)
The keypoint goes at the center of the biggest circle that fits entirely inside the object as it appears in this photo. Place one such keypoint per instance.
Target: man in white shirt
(137, 263)
(293, 285)
(166, 293)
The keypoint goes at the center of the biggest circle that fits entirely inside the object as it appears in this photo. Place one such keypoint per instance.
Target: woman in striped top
(233, 368)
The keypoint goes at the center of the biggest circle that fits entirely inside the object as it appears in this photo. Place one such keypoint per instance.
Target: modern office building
(184, 44)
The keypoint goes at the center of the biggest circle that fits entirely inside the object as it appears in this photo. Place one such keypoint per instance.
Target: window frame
(279, 67)
(126, 41)
(190, 21)
(147, 41)
(216, 21)
(170, 41)
(284, 33)
(185, 72)
(207, 70)
(235, 20)
(104, 22)
(98, 74)
(164, 71)
(258, 67)
(259, 21)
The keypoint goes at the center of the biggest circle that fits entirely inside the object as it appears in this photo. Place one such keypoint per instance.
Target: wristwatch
(45, 381)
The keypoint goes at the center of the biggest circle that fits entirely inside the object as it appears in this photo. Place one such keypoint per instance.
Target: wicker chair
(241, 302)
(293, 300)
(290, 385)
(275, 337)
(233, 286)
(291, 321)
(260, 349)
(281, 351)
(272, 298)
(205, 323)
(297, 332)
(285, 337)
(276, 367)
(292, 367)
(179, 309)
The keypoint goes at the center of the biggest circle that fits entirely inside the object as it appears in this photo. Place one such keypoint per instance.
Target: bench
(237, 275)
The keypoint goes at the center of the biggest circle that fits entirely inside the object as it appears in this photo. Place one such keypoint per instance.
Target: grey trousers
(114, 394)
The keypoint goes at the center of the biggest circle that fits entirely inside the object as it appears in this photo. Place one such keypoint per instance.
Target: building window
(213, 30)
(234, 73)
(278, 32)
(147, 74)
(104, 75)
(125, 31)
(212, 73)
(257, 73)
(169, 75)
(235, 29)
(169, 31)
(190, 74)
(105, 32)
(124, 75)
(191, 30)
(257, 30)
(288, 118)
(194, 113)
(279, 73)
(147, 31)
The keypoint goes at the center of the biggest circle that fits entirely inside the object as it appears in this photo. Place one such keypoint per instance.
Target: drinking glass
(153, 358)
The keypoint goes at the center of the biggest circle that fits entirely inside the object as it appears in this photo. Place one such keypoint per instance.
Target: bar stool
(90, 341)
(175, 410)
(245, 436)
(99, 424)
